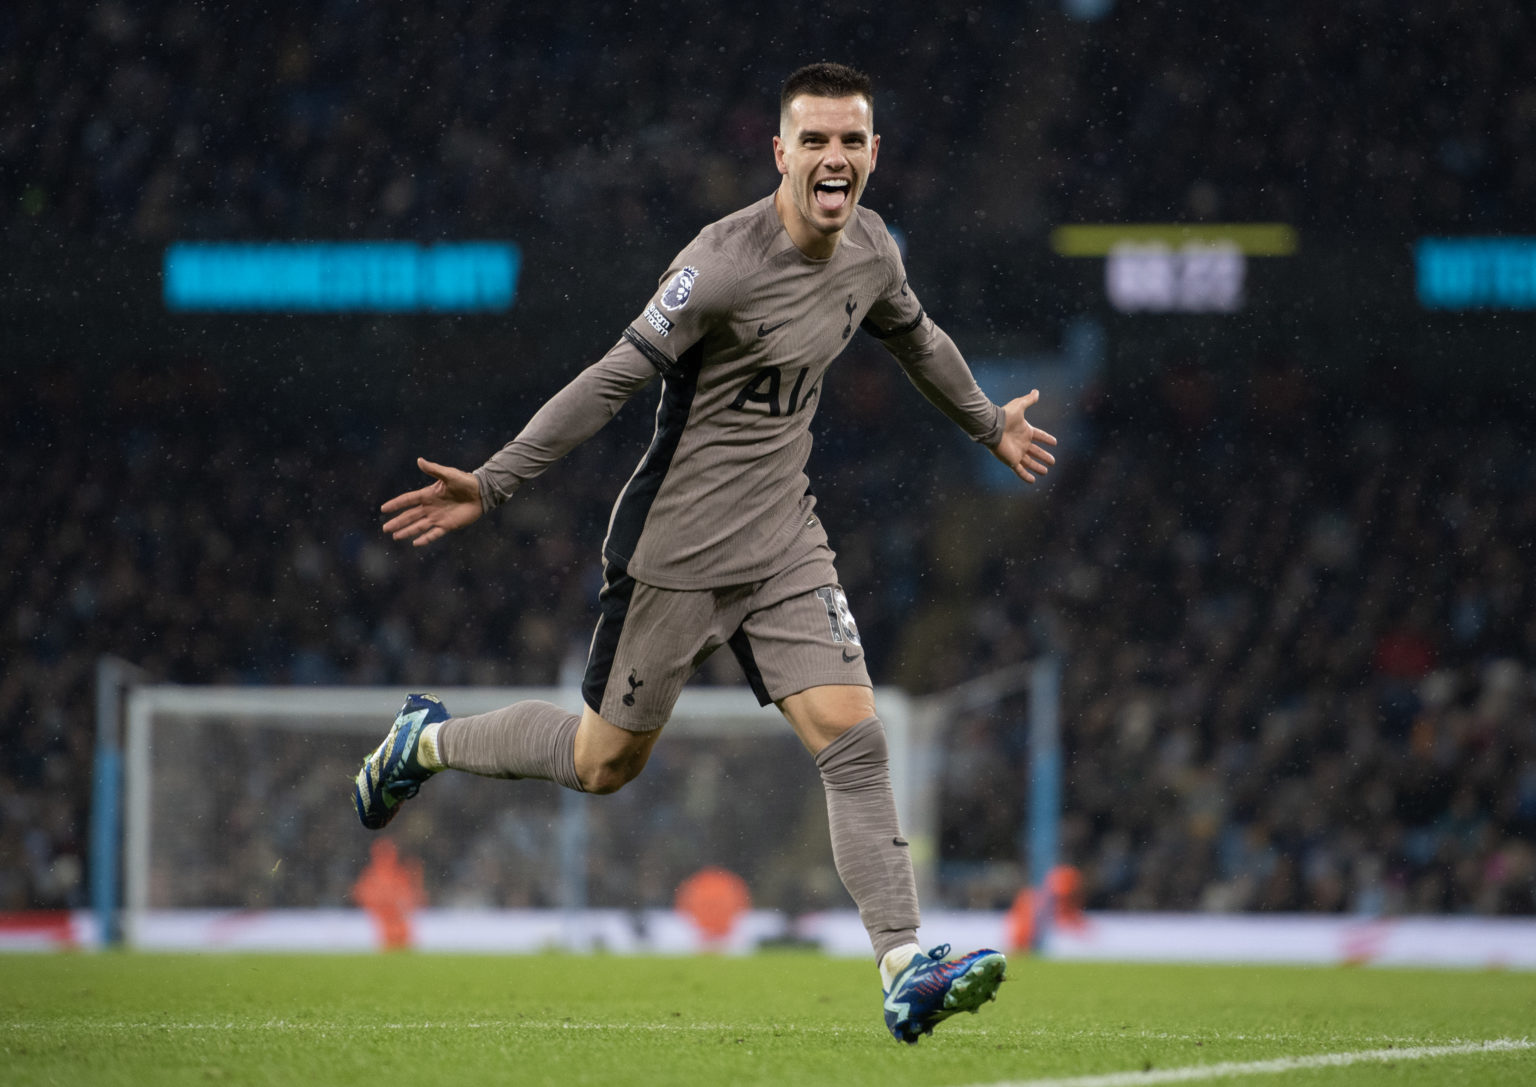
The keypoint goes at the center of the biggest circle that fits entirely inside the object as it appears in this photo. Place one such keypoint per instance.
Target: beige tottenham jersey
(742, 329)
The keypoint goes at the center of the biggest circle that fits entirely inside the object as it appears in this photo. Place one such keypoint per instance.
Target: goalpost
(239, 799)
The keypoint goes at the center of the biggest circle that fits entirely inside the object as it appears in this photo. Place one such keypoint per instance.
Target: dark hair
(826, 80)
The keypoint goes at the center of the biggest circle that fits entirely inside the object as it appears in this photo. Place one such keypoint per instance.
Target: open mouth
(832, 193)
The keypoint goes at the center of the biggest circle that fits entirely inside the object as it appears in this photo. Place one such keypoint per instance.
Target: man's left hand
(1022, 446)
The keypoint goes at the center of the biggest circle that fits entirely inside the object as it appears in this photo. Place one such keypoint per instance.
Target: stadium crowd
(1298, 673)
(1298, 676)
(451, 118)
(1299, 669)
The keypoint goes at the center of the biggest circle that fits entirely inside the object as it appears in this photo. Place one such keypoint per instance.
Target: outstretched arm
(935, 366)
(1022, 446)
(451, 501)
(567, 419)
(457, 498)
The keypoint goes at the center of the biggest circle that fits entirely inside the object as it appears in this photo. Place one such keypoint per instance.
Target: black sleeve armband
(666, 366)
(874, 330)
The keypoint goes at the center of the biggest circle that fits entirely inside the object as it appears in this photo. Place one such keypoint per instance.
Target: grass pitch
(778, 1018)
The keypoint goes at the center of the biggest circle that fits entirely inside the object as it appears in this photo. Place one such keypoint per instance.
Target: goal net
(239, 798)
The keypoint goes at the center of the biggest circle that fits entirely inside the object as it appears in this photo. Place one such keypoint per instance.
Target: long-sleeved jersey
(742, 329)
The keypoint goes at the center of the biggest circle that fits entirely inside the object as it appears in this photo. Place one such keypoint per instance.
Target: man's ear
(778, 155)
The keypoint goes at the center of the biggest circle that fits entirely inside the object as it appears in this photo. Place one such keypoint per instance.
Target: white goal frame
(915, 727)
(367, 710)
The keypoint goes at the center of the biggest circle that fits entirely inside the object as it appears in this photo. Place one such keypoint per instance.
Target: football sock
(524, 740)
(872, 857)
(426, 748)
(895, 961)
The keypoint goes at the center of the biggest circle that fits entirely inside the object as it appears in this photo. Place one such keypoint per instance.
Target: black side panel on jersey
(677, 391)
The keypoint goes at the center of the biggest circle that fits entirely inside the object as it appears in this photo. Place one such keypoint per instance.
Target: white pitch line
(1195, 1072)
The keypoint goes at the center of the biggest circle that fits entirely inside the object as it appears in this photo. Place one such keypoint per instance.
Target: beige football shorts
(789, 633)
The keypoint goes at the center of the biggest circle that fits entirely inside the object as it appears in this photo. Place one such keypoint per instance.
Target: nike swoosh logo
(847, 659)
(763, 330)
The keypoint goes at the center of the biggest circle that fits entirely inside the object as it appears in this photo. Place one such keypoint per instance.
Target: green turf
(788, 1018)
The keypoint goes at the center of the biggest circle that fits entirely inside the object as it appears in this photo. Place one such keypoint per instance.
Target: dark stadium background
(1286, 555)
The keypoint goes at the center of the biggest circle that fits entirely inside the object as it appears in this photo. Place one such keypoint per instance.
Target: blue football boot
(933, 987)
(392, 774)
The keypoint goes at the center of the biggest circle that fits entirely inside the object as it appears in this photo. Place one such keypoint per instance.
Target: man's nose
(836, 158)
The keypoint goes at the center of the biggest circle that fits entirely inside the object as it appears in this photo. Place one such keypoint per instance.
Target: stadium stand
(1300, 666)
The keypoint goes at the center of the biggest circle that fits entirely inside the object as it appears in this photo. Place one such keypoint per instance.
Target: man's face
(826, 150)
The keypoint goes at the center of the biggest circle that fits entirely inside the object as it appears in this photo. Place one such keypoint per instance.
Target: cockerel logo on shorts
(634, 688)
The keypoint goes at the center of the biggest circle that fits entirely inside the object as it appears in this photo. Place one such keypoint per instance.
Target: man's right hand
(451, 502)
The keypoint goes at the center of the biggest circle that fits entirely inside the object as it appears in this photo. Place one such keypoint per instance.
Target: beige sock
(871, 855)
(524, 740)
